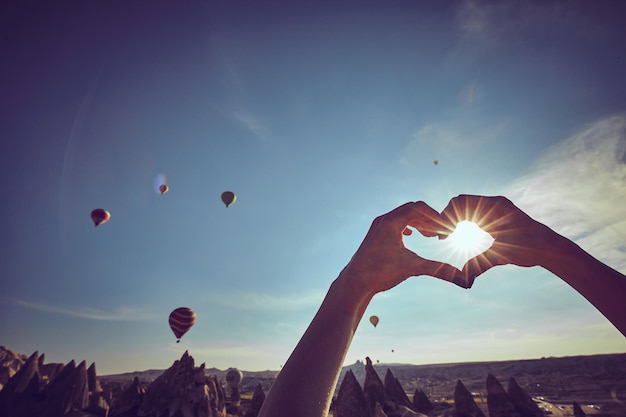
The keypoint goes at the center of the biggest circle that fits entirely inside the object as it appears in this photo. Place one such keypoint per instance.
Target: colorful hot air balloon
(181, 321)
(163, 188)
(100, 216)
(228, 197)
(374, 320)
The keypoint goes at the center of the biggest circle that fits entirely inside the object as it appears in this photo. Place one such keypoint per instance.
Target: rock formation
(10, 363)
(186, 390)
(128, 401)
(373, 387)
(37, 389)
(523, 403)
(395, 391)
(350, 400)
(498, 401)
(421, 403)
(578, 411)
(375, 399)
(464, 404)
(257, 401)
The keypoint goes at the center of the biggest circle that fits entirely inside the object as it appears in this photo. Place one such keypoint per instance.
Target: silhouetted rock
(464, 404)
(93, 385)
(128, 401)
(350, 400)
(257, 401)
(183, 389)
(421, 403)
(523, 403)
(373, 387)
(66, 391)
(378, 411)
(498, 401)
(10, 363)
(578, 411)
(395, 392)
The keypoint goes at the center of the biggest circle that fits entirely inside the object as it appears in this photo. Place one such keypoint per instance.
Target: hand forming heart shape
(517, 238)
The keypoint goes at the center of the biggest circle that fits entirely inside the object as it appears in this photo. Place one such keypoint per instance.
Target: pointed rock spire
(373, 387)
(498, 401)
(578, 411)
(395, 392)
(258, 397)
(464, 404)
(129, 400)
(523, 403)
(421, 403)
(350, 400)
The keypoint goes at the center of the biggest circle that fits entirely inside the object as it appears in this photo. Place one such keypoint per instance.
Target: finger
(480, 264)
(442, 271)
(426, 220)
(454, 212)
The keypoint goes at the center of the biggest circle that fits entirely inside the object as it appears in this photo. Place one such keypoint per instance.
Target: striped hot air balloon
(181, 321)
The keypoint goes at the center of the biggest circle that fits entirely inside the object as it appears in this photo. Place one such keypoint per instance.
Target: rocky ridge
(184, 390)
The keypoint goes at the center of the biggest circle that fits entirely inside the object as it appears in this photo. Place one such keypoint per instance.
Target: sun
(468, 239)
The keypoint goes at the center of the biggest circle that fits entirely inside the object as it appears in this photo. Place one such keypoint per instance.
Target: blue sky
(319, 117)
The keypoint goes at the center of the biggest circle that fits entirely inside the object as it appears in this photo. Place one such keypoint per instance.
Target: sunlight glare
(469, 239)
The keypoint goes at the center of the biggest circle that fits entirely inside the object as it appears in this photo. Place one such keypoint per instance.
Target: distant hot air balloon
(181, 321)
(407, 231)
(228, 197)
(374, 320)
(234, 377)
(163, 188)
(436, 162)
(100, 216)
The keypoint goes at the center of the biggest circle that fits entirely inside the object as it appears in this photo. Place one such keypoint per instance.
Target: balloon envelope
(163, 188)
(436, 162)
(374, 320)
(181, 321)
(99, 216)
(228, 198)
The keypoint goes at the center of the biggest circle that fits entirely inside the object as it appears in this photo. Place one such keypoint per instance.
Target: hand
(382, 261)
(518, 239)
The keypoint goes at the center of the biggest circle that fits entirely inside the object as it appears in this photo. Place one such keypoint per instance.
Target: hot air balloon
(407, 231)
(163, 188)
(234, 377)
(100, 216)
(436, 162)
(374, 320)
(228, 197)
(181, 321)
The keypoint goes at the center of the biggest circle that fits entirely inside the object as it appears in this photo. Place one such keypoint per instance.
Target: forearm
(315, 363)
(601, 285)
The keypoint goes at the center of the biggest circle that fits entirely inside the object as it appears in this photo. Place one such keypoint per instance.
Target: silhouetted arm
(306, 383)
(521, 240)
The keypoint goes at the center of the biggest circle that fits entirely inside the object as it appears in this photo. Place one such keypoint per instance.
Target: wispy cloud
(252, 123)
(441, 138)
(578, 188)
(506, 20)
(268, 302)
(119, 314)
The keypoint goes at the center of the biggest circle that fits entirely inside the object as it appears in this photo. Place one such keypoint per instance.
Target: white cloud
(268, 302)
(119, 314)
(578, 188)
